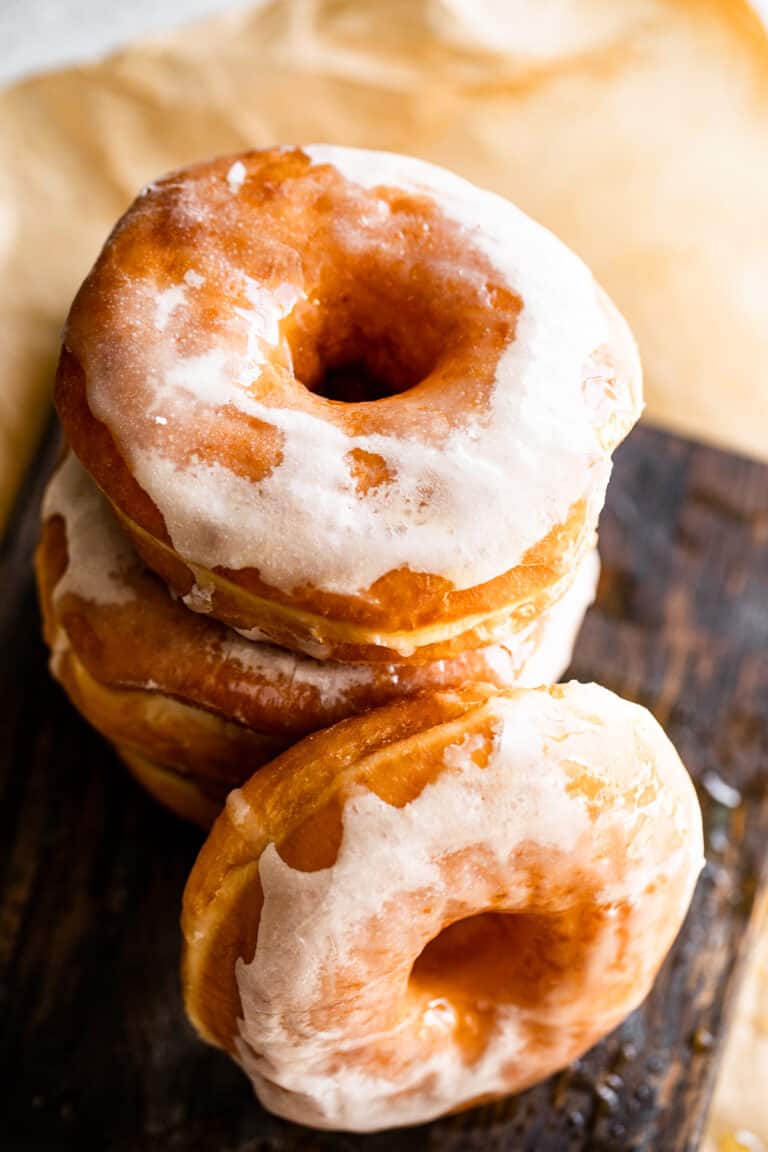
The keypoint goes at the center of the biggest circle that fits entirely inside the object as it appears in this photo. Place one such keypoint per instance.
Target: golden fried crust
(126, 656)
(424, 622)
(306, 786)
(193, 708)
(178, 736)
(380, 623)
(405, 614)
(153, 639)
(479, 882)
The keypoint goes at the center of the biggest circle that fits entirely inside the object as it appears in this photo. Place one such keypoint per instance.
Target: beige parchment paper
(638, 131)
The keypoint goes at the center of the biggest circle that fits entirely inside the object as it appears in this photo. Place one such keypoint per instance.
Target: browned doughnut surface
(314, 346)
(176, 690)
(441, 901)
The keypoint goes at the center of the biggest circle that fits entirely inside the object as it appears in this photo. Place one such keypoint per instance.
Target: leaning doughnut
(192, 707)
(439, 902)
(348, 399)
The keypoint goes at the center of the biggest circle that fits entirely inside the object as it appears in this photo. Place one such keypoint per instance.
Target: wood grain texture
(94, 1048)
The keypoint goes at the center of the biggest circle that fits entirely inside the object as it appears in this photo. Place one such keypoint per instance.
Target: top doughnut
(348, 401)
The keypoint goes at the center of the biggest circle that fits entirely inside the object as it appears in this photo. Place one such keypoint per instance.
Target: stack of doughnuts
(193, 707)
(339, 428)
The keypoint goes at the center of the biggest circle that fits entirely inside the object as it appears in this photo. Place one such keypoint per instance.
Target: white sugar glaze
(236, 176)
(496, 486)
(555, 641)
(98, 555)
(322, 931)
(102, 568)
(101, 562)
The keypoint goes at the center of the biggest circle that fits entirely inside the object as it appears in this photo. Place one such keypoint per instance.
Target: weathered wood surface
(95, 1050)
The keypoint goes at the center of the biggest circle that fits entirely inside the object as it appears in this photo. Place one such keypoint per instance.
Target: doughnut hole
(394, 300)
(530, 961)
(362, 342)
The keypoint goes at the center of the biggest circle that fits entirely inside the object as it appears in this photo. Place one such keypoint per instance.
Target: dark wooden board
(95, 1050)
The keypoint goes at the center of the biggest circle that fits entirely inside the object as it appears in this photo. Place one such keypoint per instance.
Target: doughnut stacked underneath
(348, 405)
(192, 707)
(340, 430)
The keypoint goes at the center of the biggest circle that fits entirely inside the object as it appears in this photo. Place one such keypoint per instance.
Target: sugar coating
(210, 375)
(199, 599)
(333, 683)
(103, 566)
(236, 176)
(167, 303)
(99, 556)
(101, 562)
(256, 634)
(551, 654)
(468, 508)
(59, 652)
(315, 925)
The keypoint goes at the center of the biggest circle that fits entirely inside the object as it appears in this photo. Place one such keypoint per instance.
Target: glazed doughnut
(348, 400)
(194, 708)
(439, 902)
